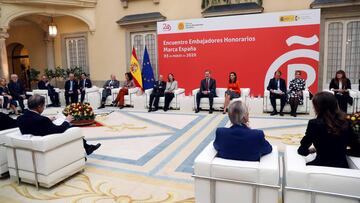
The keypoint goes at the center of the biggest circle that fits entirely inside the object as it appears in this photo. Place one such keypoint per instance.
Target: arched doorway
(19, 62)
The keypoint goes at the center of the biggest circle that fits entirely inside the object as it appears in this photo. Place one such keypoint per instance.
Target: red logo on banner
(166, 27)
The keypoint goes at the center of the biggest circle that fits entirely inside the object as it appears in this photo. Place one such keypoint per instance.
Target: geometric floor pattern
(146, 157)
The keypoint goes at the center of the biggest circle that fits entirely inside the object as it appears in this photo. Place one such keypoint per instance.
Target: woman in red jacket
(233, 90)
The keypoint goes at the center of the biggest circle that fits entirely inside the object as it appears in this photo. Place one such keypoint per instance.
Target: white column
(4, 66)
(50, 52)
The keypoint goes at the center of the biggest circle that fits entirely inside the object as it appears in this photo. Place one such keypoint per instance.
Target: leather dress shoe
(92, 148)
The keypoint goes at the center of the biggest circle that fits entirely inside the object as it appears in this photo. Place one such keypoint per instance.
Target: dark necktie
(207, 84)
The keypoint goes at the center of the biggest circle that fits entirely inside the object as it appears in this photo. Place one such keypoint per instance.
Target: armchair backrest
(42, 143)
(40, 92)
(220, 92)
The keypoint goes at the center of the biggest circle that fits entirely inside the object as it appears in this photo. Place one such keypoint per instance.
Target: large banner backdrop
(254, 46)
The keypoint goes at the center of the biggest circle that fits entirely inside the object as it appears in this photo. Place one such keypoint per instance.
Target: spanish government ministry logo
(181, 26)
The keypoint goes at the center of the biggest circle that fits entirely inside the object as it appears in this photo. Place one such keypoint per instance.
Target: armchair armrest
(115, 90)
(306, 93)
(327, 90)
(202, 163)
(179, 91)
(38, 91)
(353, 93)
(148, 91)
(266, 93)
(295, 166)
(29, 93)
(91, 89)
(269, 167)
(245, 92)
(4, 132)
(195, 91)
(133, 90)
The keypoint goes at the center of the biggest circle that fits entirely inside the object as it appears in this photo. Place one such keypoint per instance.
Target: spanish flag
(135, 70)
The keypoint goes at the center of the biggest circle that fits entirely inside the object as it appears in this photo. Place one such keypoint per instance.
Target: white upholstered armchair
(354, 94)
(318, 184)
(220, 180)
(175, 102)
(220, 98)
(92, 96)
(3, 158)
(305, 108)
(45, 160)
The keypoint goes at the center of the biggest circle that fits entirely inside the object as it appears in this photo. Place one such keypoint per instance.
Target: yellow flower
(353, 118)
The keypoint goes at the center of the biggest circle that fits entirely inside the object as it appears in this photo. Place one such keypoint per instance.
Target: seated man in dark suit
(17, 90)
(277, 88)
(108, 86)
(71, 90)
(207, 89)
(32, 122)
(6, 122)
(83, 84)
(158, 91)
(239, 142)
(44, 84)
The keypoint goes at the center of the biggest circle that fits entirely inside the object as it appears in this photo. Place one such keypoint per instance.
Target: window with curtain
(141, 39)
(342, 49)
(76, 52)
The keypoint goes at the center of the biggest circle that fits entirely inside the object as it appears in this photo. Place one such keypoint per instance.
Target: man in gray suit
(110, 84)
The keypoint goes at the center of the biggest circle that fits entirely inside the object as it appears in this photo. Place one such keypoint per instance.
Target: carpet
(146, 157)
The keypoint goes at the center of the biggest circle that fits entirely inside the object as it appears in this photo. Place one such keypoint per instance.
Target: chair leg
(35, 171)
(255, 194)
(16, 166)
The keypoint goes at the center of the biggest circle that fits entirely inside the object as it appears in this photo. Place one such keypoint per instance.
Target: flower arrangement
(355, 122)
(79, 111)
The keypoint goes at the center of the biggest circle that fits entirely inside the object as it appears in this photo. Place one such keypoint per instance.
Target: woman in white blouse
(171, 86)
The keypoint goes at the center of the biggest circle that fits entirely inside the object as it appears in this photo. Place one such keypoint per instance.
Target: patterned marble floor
(146, 157)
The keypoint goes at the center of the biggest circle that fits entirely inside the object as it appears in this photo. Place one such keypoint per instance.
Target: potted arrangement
(58, 74)
(33, 77)
(82, 112)
(77, 71)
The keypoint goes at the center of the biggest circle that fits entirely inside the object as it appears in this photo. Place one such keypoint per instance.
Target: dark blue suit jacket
(241, 143)
(36, 124)
(75, 87)
(16, 89)
(212, 86)
(159, 88)
(88, 84)
(273, 85)
(6, 122)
